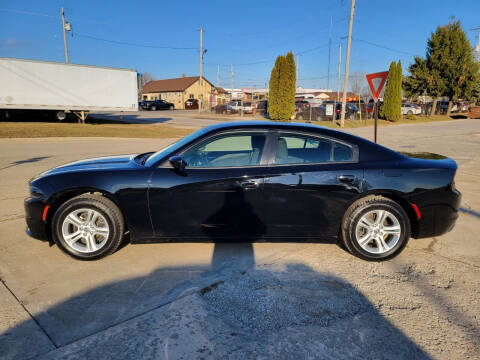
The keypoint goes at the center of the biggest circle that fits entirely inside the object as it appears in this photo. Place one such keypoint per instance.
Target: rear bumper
(439, 219)
(36, 227)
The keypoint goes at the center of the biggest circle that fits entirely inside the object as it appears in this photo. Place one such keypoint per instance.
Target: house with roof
(179, 90)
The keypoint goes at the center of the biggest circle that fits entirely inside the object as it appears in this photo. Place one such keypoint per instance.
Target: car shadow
(469, 211)
(240, 311)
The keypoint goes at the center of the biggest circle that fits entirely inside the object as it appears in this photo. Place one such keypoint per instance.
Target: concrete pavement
(239, 300)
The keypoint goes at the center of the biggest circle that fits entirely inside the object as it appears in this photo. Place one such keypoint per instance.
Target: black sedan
(248, 181)
(156, 105)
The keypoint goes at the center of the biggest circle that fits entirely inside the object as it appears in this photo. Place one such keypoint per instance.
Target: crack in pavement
(28, 312)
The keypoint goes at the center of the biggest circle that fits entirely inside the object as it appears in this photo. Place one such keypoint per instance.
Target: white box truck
(41, 85)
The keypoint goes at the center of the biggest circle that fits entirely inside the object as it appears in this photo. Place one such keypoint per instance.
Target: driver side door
(220, 192)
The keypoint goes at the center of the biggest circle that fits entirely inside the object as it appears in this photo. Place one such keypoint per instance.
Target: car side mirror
(177, 162)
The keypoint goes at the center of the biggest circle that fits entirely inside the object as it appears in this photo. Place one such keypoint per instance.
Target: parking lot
(240, 300)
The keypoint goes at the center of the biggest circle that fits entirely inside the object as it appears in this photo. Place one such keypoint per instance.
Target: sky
(162, 37)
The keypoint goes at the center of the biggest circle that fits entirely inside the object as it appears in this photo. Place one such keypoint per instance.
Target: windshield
(155, 157)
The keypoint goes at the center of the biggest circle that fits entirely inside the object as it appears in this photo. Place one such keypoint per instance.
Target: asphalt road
(281, 300)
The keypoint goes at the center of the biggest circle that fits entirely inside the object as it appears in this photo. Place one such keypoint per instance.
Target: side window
(342, 152)
(301, 149)
(244, 149)
(298, 149)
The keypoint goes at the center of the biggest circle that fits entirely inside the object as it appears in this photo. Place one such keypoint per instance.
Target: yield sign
(376, 82)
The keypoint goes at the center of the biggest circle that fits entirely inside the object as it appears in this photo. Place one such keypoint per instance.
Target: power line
(383, 46)
(25, 12)
(134, 44)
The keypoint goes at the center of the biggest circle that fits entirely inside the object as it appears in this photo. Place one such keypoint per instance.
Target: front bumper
(36, 227)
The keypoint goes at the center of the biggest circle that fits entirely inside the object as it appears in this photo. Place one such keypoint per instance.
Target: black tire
(106, 208)
(153, 108)
(357, 210)
(299, 117)
(409, 112)
(172, 107)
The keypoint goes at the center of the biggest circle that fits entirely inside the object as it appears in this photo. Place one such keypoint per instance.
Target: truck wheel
(88, 227)
(61, 115)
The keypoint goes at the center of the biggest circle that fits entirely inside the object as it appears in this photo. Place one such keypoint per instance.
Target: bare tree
(143, 79)
(357, 81)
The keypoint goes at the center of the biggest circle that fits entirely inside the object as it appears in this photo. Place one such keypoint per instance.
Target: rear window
(301, 149)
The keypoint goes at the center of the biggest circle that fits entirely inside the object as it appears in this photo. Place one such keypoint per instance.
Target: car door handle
(346, 178)
(249, 184)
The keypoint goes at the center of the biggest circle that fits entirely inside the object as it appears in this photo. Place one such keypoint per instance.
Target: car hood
(108, 162)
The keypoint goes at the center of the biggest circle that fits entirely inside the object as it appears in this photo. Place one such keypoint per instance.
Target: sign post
(376, 81)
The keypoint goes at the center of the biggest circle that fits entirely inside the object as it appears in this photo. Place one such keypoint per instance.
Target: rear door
(310, 185)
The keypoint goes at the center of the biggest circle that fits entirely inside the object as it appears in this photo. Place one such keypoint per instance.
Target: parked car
(235, 105)
(223, 109)
(248, 180)
(262, 107)
(463, 106)
(442, 107)
(411, 109)
(317, 113)
(247, 108)
(191, 104)
(156, 105)
(301, 105)
(351, 111)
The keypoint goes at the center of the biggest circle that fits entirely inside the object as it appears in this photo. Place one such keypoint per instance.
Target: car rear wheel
(375, 228)
(410, 112)
(88, 227)
(172, 107)
(153, 108)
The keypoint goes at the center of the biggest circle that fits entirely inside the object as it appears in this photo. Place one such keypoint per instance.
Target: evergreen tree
(281, 104)
(450, 54)
(449, 68)
(397, 115)
(392, 98)
(274, 86)
(291, 85)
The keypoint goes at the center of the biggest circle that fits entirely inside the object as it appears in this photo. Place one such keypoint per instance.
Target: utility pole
(347, 65)
(218, 75)
(200, 78)
(231, 73)
(65, 27)
(339, 77)
(329, 50)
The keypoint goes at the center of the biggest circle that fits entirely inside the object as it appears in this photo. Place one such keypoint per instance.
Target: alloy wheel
(85, 230)
(378, 231)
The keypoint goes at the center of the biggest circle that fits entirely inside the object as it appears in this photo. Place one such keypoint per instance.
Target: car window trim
(354, 147)
(263, 160)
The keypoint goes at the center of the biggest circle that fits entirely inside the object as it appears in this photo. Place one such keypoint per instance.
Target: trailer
(63, 88)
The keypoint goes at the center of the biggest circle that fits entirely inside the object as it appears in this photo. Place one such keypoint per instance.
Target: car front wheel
(88, 227)
(375, 228)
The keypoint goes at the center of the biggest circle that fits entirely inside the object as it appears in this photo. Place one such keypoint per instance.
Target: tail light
(338, 111)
